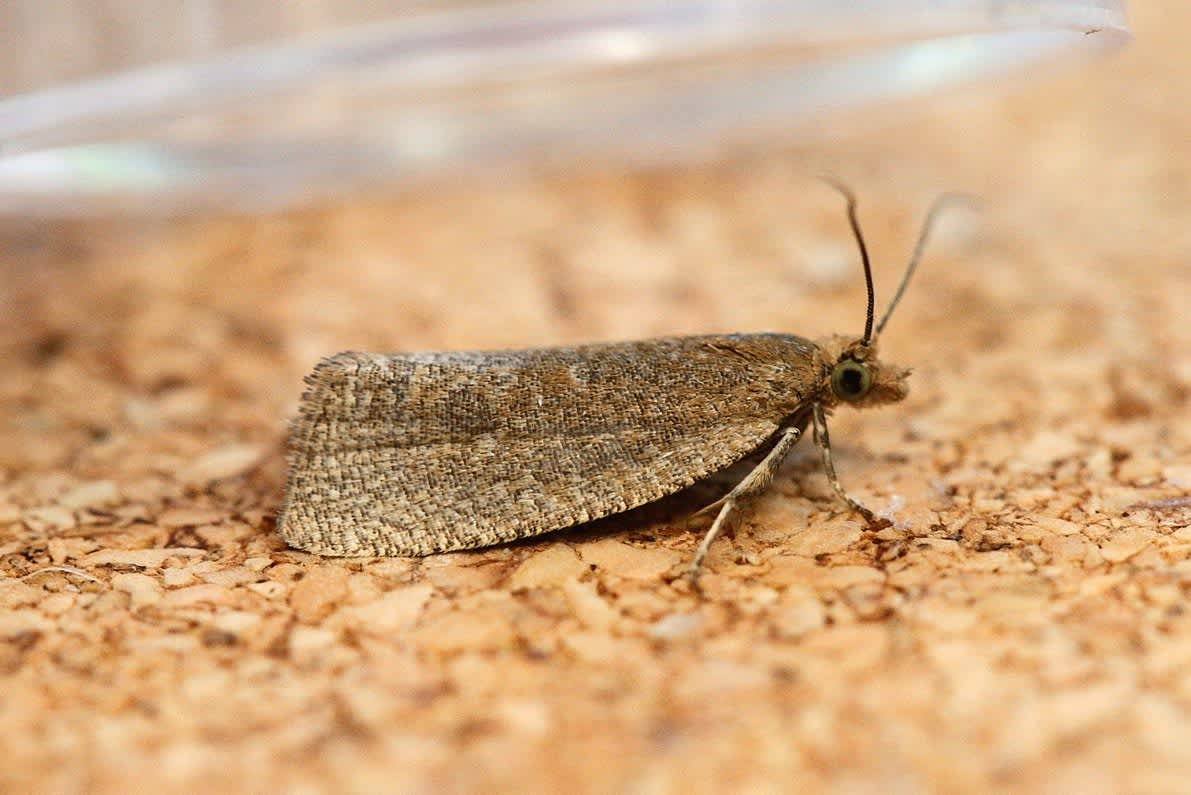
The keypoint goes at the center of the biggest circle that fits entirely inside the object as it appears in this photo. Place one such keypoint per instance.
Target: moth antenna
(868, 268)
(932, 216)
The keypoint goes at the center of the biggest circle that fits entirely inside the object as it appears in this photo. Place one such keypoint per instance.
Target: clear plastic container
(192, 103)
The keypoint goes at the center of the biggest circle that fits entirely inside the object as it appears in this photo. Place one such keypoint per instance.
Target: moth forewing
(410, 454)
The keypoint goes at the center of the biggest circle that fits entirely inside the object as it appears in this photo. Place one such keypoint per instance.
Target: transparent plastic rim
(455, 91)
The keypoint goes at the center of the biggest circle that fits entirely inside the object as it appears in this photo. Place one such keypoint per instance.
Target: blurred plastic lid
(184, 104)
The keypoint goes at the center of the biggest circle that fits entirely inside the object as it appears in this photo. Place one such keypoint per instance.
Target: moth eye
(850, 380)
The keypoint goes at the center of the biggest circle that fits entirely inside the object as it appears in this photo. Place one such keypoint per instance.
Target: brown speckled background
(1022, 627)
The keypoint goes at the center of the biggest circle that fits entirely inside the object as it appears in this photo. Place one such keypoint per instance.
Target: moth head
(853, 374)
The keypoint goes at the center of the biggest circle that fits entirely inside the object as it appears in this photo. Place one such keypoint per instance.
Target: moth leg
(755, 482)
(824, 442)
(706, 509)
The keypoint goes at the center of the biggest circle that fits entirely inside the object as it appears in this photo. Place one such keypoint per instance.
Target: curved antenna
(932, 216)
(868, 268)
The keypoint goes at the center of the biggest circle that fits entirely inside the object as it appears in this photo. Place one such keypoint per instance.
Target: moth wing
(425, 453)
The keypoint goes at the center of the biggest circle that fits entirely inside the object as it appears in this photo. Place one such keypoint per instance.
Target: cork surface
(1021, 626)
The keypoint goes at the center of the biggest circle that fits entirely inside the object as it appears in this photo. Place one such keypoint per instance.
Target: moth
(419, 453)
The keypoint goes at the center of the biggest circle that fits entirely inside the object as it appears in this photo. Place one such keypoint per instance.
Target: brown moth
(418, 453)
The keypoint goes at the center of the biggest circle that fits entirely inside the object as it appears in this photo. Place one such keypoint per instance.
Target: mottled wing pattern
(411, 454)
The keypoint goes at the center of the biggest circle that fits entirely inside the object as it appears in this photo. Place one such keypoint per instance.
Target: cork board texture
(1021, 626)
